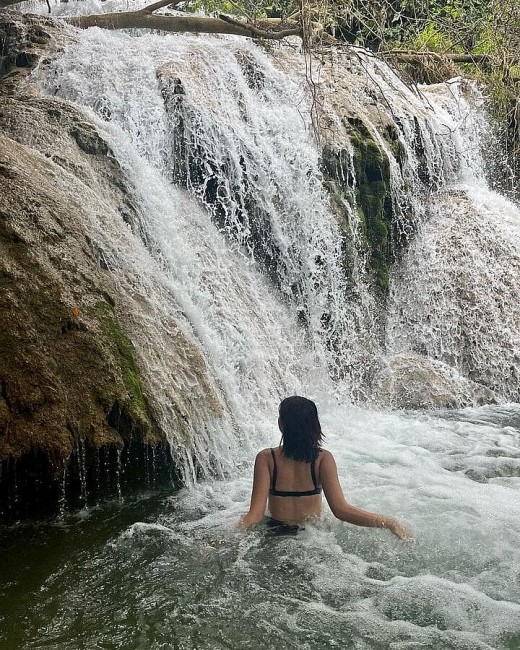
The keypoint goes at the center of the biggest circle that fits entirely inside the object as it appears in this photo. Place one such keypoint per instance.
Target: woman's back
(295, 489)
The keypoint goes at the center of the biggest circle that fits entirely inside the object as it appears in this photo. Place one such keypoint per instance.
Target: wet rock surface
(70, 374)
(410, 381)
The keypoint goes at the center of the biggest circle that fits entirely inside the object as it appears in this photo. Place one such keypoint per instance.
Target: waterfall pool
(172, 571)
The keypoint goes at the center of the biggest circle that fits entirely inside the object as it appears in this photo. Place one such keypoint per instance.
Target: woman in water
(292, 476)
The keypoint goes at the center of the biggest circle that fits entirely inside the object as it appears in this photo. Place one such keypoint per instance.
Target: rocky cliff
(72, 395)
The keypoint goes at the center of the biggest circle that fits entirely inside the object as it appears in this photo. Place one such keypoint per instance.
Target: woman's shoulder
(325, 456)
(325, 453)
(265, 453)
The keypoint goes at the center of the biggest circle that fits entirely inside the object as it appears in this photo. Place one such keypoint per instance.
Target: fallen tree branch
(269, 28)
(411, 56)
(296, 30)
(144, 19)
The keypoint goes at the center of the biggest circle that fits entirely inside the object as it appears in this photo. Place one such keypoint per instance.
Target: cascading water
(256, 283)
(254, 347)
(258, 169)
(456, 296)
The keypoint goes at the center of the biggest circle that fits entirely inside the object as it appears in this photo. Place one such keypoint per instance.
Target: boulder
(410, 381)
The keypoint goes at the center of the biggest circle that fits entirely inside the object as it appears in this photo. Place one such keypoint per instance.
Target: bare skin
(295, 476)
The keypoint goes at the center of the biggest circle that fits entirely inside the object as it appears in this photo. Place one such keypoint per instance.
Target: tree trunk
(272, 28)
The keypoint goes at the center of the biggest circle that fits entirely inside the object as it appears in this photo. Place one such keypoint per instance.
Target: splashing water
(175, 572)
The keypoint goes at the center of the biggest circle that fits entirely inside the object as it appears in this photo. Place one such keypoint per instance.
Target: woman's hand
(247, 521)
(396, 528)
(347, 512)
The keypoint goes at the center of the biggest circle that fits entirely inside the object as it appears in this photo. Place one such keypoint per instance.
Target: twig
(159, 5)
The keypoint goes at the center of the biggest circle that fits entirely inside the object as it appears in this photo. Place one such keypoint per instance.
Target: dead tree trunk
(272, 29)
(146, 19)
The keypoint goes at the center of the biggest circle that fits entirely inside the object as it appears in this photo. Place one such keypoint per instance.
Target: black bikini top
(307, 493)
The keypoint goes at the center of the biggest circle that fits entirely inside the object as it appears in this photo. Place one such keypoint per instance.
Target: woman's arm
(343, 510)
(261, 482)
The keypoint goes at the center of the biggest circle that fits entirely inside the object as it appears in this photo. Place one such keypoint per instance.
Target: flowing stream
(250, 285)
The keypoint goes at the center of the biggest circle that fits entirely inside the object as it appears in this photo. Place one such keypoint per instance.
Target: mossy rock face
(134, 407)
(391, 135)
(76, 391)
(69, 378)
(67, 369)
(363, 176)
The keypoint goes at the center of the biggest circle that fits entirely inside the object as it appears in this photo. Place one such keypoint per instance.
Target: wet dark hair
(301, 429)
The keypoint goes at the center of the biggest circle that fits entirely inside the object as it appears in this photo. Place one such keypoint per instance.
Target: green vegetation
(371, 189)
(123, 351)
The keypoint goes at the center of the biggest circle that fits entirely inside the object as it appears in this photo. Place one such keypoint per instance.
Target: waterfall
(186, 265)
(240, 241)
(261, 305)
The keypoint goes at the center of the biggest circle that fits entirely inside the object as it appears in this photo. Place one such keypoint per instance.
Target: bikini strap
(313, 474)
(273, 485)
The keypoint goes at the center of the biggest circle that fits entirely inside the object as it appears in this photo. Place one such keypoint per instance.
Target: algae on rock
(361, 176)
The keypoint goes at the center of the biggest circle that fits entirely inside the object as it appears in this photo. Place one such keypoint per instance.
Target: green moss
(369, 187)
(131, 373)
(397, 147)
(123, 351)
